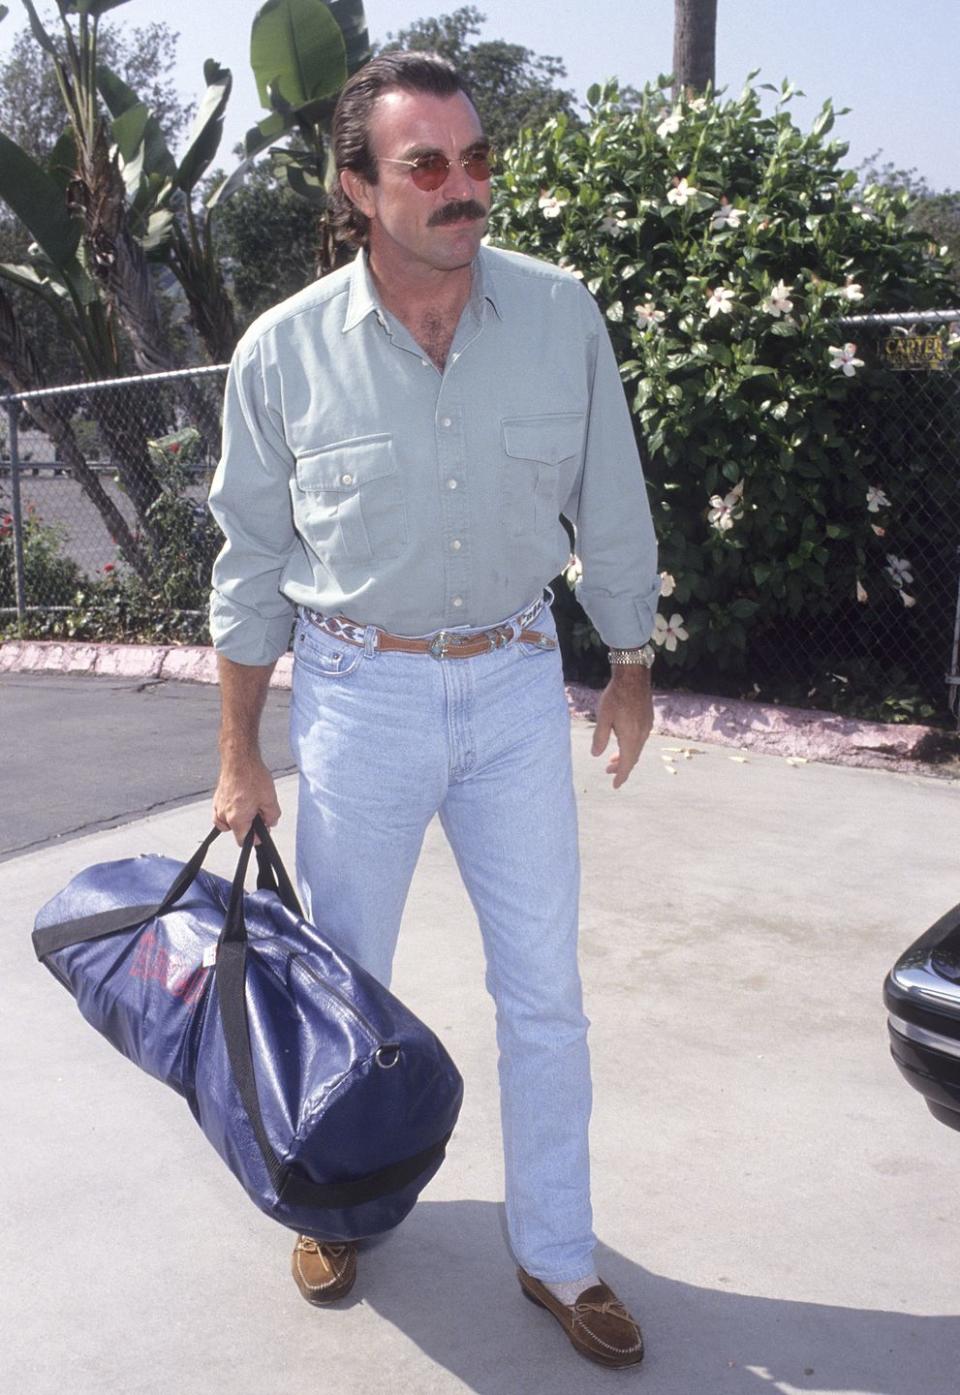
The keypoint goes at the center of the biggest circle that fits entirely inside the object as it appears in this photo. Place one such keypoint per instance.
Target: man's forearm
(243, 692)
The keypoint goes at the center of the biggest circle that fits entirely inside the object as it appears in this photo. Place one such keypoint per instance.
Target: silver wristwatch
(644, 657)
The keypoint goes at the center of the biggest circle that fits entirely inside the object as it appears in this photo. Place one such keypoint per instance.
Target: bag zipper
(339, 997)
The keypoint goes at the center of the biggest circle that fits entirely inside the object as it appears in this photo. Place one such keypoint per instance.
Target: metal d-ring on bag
(328, 1099)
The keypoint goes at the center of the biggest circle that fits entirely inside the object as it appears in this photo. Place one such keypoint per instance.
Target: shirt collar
(362, 298)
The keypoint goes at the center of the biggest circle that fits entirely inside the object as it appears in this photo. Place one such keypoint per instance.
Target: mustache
(455, 212)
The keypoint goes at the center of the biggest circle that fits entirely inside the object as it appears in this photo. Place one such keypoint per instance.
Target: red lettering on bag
(153, 962)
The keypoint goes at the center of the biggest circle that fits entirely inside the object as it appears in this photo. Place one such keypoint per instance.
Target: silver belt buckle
(440, 645)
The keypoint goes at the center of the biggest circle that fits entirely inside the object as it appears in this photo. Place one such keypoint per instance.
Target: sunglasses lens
(480, 166)
(430, 171)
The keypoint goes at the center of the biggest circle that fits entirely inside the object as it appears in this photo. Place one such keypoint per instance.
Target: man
(400, 441)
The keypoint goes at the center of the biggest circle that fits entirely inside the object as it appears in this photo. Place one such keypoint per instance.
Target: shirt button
(456, 545)
(425, 363)
(451, 484)
(346, 479)
(458, 601)
(446, 422)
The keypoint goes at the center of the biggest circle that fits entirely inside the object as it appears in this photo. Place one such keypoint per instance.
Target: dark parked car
(922, 994)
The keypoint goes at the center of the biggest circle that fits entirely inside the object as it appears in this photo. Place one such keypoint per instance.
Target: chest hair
(435, 335)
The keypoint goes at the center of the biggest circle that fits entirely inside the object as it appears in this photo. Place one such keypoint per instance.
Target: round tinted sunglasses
(430, 171)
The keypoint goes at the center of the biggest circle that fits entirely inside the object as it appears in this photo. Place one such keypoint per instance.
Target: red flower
(110, 567)
(174, 447)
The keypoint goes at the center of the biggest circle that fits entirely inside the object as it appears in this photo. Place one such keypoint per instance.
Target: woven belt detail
(443, 644)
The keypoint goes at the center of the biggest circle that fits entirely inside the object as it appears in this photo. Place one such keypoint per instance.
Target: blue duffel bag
(328, 1100)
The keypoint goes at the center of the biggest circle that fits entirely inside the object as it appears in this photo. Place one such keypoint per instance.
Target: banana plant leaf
(129, 131)
(37, 200)
(89, 7)
(207, 127)
(353, 26)
(119, 99)
(303, 181)
(62, 160)
(298, 46)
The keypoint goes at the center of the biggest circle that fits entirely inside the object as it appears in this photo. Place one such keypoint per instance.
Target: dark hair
(413, 72)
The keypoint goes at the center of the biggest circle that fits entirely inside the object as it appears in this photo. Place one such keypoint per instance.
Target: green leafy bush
(47, 572)
(170, 607)
(721, 244)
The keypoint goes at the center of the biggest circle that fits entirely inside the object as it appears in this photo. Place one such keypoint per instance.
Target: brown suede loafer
(598, 1324)
(324, 1270)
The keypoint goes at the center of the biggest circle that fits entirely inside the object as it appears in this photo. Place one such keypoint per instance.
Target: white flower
(844, 359)
(778, 302)
(726, 216)
(668, 584)
(898, 569)
(864, 213)
(697, 104)
(681, 193)
(573, 570)
(724, 512)
(615, 311)
(719, 302)
(668, 632)
(648, 316)
(851, 291)
(614, 222)
(907, 600)
(670, 125)
(566, 265)
(862, 596)
(551, 206)
(876, 499)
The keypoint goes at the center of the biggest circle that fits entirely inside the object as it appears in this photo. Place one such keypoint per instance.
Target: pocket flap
(344, 466)
(549, 438)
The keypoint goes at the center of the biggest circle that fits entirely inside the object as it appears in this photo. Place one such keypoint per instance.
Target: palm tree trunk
(694, 46)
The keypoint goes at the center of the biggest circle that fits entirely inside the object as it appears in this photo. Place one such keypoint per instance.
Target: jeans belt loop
(370, 641)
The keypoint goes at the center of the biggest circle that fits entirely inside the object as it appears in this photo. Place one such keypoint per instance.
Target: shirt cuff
(623, 622)
(245, 637)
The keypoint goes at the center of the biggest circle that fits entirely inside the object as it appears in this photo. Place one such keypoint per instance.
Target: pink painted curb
(750, 726)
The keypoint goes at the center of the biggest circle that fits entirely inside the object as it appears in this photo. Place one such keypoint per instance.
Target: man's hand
(626, 709)
(245, 788)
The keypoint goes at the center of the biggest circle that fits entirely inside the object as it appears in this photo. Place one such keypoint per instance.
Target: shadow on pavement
(442, 1282)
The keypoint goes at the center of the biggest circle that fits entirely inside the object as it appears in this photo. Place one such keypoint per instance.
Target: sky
(893, 62)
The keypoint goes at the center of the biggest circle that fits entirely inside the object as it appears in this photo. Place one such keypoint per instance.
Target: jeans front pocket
(351, 500)
(535, 448)
(321, 655)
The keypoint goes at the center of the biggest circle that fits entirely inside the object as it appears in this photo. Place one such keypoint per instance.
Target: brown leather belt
(445, 644)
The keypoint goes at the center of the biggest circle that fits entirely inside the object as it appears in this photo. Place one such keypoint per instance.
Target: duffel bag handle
(271, 876)
(231, 971)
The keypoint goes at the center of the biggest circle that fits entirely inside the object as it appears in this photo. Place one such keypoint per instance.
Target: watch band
(642, 657)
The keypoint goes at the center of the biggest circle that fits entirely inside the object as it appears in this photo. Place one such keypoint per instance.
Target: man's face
(440, 228)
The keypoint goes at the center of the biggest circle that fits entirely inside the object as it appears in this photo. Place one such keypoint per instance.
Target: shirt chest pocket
(541, 458)
(351, 499)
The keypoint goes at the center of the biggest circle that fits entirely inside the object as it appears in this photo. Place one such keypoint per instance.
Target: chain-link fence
(102, 494)
(894, 637)
(102, 490)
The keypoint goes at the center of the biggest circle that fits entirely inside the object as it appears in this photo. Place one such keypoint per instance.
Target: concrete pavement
(773, 1201)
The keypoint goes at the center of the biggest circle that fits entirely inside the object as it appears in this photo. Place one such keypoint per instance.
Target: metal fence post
(19, 576)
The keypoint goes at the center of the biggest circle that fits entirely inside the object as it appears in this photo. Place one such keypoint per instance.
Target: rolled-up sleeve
(609, 508)
(250, 619)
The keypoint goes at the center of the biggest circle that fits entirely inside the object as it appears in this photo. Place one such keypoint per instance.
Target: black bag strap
(271, 876)
(231, 972)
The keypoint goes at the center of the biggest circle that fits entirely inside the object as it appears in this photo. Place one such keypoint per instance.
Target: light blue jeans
(383, 741)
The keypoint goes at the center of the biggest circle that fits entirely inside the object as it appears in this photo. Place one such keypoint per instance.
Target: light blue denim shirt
(358, 479)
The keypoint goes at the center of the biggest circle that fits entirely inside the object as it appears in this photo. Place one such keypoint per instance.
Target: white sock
(569, 1293)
